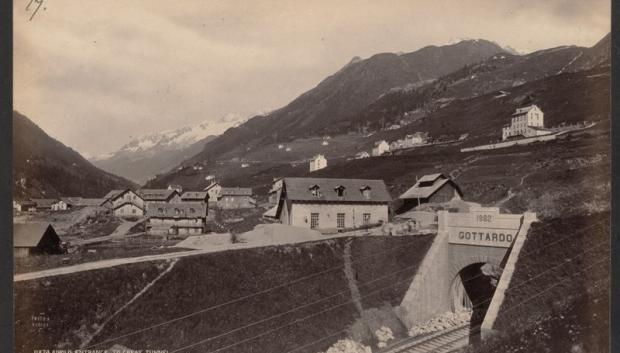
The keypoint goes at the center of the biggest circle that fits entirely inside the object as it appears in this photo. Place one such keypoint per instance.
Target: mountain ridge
(45, 167)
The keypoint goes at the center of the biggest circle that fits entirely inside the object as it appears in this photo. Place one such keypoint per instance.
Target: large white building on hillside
(318, 162)
(527, 122)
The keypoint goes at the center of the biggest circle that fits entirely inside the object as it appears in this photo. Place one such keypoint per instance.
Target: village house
(34, 239)
(44, 204)
(25, 206)
(195, 196)
(77, 201)
(380, 148)
(124, 203)
(318, 162)
(332, 205)
(170, 219)
(233, 198)
(61, 205)
(159, 195)
(273, 197)
(213, 190)
(176, 187)
(433, 188)
(409, 141)
(526, 122)
(276, 186)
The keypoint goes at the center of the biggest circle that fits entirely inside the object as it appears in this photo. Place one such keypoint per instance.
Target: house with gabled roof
(44, 204)
(35, 239)
(159, 195)
(195, 196)
(331, 204)
(124, 203)
(214, 191)
(171, 219)
(236, 197)
(432, 188)
(526, 121)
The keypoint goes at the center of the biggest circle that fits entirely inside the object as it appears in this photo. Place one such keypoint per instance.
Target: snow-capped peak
(179, 138)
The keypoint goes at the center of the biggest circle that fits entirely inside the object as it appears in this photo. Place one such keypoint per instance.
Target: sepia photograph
(402, 176)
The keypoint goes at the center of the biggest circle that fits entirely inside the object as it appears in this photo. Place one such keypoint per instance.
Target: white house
(527, 122)
(318, 162)
(330, 204)
(380, 148)
(213, 190)
(60, 205)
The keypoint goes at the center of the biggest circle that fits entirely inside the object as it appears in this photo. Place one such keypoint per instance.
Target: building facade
(213, 190)
(526, 122)
(333, 205)
(125, 203)
(176, 219)
(380, 148)
(235, 197)
(318, 162)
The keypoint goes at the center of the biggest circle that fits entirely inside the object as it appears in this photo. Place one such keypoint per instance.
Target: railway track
(439, 342)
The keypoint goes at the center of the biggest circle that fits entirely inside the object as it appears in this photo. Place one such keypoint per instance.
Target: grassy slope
(203, 281)
(553, 304)
(482, 117)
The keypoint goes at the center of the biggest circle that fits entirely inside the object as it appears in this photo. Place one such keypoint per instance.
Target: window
(366, 218)
(366, 192)
(177, 211)
(314, 220)
(160, 210)
(314, 189)
(340, 220)
(133, 211)
(340, 191)
(192, 210)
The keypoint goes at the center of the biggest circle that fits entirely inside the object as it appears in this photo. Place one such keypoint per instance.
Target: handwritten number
(39, 2)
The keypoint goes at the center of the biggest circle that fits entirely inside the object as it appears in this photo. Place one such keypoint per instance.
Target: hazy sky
(92, 73)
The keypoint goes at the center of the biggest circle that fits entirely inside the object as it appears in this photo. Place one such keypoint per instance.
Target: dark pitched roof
(179, 210)
(427, 186)
(211, 185)
(29, 234)
(236, 191)
(113, 194)
(194, 195)
(524, 110)
(299, 189)
(45, 202)
(156, 194)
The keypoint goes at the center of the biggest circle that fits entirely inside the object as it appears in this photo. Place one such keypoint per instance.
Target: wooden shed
(34, 239)
(432, 188)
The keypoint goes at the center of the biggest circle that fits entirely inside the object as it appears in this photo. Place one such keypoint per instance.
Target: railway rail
(444, 341)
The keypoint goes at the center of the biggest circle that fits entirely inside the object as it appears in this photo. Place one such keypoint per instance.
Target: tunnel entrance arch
(463, 267)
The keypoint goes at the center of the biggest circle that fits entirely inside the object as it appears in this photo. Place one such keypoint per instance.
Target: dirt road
(119, 232)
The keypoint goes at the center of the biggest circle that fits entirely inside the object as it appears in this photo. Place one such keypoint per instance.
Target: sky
(94, 73)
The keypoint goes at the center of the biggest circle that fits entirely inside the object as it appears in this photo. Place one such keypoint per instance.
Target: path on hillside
(88, 338)
(511, 192)
(120, 232)
(349, 273)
